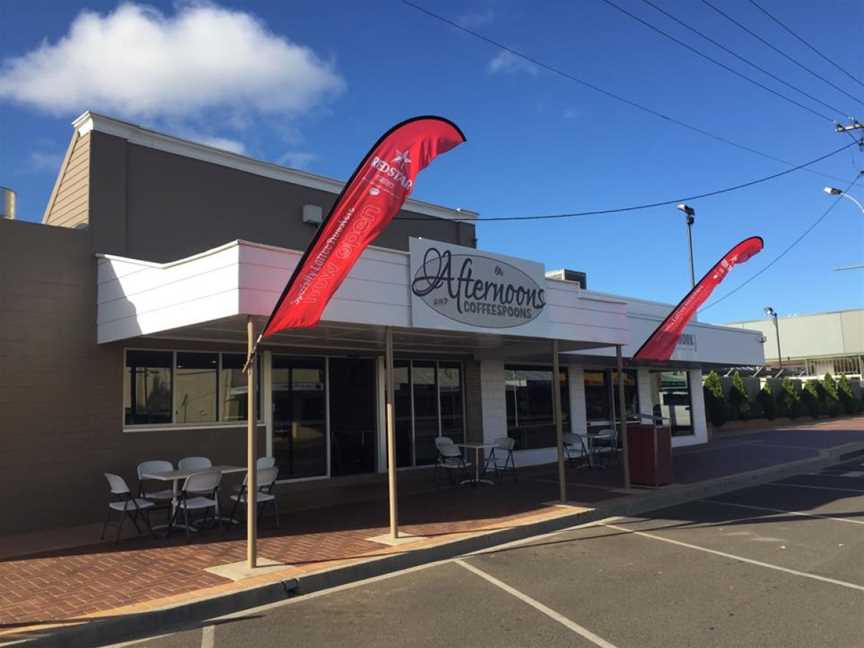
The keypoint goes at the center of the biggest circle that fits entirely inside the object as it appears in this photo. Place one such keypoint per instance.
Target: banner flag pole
(559, 429)
(251, 450)
(391, 433)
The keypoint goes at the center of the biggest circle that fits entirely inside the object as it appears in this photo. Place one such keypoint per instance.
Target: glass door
(672, 397)
(353, 416)
(299, 417)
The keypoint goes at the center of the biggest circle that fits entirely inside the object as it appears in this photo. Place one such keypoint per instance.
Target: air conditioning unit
(570, 275)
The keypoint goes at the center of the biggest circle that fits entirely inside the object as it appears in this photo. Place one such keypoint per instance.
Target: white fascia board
(151, 139)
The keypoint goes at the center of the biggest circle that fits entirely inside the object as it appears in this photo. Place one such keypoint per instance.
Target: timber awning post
(559, 428)
(251, 450)
(622, 416)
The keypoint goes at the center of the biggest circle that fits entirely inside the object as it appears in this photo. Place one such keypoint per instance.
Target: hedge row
(787, 398)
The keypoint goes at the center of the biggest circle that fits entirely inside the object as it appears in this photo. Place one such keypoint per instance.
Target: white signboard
(460, 288)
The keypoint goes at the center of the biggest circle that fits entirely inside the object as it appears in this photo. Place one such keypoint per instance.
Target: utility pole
(850, 128)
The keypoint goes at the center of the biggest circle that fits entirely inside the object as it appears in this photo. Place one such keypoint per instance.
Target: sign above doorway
(459, 288)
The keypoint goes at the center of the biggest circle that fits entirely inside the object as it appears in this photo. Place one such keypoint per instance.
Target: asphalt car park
(780, 564)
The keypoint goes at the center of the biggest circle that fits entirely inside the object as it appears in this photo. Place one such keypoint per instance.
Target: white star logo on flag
(402, 158)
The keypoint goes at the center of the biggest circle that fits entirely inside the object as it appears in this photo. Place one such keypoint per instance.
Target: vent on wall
(570, 275)
(313, 214)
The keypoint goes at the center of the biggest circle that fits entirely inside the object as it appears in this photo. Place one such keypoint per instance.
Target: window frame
(566, 405)
(173, 425)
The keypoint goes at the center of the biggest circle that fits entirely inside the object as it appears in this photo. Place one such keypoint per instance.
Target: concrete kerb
(192, 614)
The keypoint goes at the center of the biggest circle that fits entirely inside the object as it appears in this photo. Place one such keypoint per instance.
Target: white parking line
(828, 488)
(749, 561)
(208, 636)
(537, 605)
(785, 511)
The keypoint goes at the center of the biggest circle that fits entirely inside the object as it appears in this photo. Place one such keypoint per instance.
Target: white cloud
(139, 62)
(297, 159)
(506, 63)
(225, 143)
(46, 160)
(476, 18)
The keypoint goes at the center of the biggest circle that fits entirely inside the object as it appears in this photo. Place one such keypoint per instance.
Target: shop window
(597, 402)
(196, 381)
(299, 416)
(429, 403)
(147, 387)
(631, 393)
(233, 387)
(530, 414)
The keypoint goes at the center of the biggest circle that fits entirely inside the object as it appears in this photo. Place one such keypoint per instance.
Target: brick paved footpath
(74, 583)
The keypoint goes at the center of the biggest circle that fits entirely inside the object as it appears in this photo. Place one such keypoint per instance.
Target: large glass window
(299, 417)
(530, 414)
(601, 390)
(428, 400)
(147, 387)
(185, 387)
(233, 387)
(196, 378)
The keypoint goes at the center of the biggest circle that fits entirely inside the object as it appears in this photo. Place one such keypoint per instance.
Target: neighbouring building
(123, 333)
(813, 345)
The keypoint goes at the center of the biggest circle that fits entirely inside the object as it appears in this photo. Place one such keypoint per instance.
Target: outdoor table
(174, 476)
(476, 481)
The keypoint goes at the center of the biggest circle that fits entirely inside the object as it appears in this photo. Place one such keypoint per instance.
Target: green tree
(715, 399)
(846, 396)
(813, 399)
(790, 399)
(832, 399)
(739, 401)
(767, 402)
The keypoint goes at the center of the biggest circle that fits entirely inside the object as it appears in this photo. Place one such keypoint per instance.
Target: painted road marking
(785, 511)
(537, 605)
(749, 561)
(828, 488)
(208, 636)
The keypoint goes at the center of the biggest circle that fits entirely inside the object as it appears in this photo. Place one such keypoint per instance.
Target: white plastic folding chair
(120, 499)
(198, 494)
(265, 462)
(194, 463)
(162, 496)
(501, 457)
(449, 459)
(266, 479)
(576, 447)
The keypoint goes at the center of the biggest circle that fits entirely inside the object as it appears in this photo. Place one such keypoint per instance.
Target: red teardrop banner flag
(368, 202)
(661, 344)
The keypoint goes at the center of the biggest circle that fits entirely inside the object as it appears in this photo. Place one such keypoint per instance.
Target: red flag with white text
(661, 344)
(368, 202)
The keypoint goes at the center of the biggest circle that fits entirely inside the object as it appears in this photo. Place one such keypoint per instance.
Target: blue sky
(313, 85)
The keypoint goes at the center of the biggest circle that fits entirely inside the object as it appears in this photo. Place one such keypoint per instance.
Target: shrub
(848, 402)
(715, 400)
(832, 400)
(813, 399)
(766, 402)
(739, 401)
(790, 399)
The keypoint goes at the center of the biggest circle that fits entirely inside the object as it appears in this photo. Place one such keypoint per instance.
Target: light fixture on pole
(770, 312)
(689, 212)
(834, 191)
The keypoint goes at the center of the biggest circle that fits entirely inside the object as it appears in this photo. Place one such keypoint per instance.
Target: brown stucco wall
(153, 205)
(61, 393)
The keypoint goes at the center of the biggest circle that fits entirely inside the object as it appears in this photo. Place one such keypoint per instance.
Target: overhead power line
(661, 203)
(746, 60)
(786, 251)
(707, 57)
(780, 52)
(570, 77)
(777, 20)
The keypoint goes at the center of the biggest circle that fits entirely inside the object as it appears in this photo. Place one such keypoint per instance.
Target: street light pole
(689, 212)
(834, 191)
(770, 312)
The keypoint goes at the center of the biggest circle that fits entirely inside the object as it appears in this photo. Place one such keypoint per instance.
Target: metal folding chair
(501, 457)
